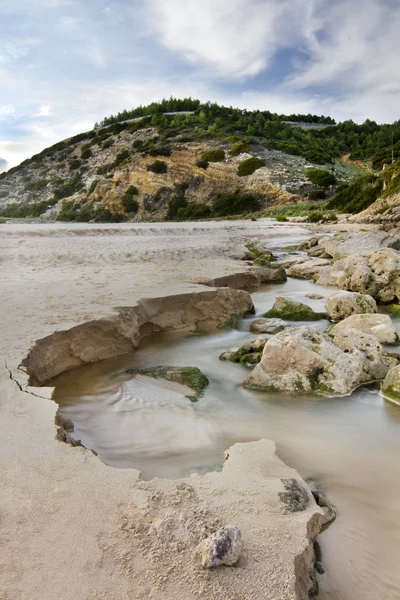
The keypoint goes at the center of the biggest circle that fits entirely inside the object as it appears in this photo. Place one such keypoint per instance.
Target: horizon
(66, 64)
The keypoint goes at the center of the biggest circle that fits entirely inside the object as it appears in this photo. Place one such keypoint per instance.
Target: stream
(350, 445)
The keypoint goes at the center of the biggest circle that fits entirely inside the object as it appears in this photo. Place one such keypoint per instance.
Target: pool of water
(349, 445)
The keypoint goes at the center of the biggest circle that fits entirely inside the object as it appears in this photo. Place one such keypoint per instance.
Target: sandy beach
(64, 513)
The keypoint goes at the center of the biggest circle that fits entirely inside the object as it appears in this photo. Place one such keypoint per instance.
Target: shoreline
(64, 483)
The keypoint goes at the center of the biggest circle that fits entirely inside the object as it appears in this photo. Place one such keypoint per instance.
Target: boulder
(372, 355)
(268, 325)
(308, 268)
(277, 274)
(256, 247)
(286, 308)
(391, 385)
(223, 547)
(314, 296)
(342, 304)
(300, 359)
(249, 354)
(377, 274)
(380, 326)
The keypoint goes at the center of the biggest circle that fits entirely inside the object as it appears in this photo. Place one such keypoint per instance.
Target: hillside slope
(202, 161)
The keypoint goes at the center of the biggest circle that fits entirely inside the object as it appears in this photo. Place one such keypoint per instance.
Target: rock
(391, 385)
(330, 511)
(314, 296)
(391, 359)
(300, 359)
(276, 274)
(318, 251)
(374, 366)
(286, 308)
(257, 248)
(247, 280)
(191, 377)
(380, 326)
(377, 274)
(223, 547)
(248, 354)
(359, 243)
(268, 325)
(342, 304)
(308, 268)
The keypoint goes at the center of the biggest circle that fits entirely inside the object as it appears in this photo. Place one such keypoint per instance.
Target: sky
(65, 64)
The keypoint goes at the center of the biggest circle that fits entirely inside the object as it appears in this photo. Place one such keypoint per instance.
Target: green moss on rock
(190, 376)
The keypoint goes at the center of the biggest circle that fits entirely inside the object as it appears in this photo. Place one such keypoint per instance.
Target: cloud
(236, 37)
(7, 110)
(44, 111)
(3, 165)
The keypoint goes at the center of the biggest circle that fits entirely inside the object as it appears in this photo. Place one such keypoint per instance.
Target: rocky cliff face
(98, 171)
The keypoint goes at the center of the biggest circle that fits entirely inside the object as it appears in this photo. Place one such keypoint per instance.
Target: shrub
(93, 186)
(249, 166)
(202, 164)
(216, 155)
(193, 211)
(86, 154)
(107, 143)
(37, 185)
(138, 144)
(235, 204)
(160, 151)
(158, 166)
(174, 205)
(121, 156)
(128, 201)
(69, 188)
(317, 195)
(74, 163)
(281, 218)
(321, 177)
(105, 168)
(358, 195)
(315, 217)
(239, 148)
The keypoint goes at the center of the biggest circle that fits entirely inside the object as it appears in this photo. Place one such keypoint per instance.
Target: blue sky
(65, 64)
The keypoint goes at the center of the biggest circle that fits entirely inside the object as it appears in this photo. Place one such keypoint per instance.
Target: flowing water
(351, 445)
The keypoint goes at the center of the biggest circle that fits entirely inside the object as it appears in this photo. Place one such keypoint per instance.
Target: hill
(180, 159)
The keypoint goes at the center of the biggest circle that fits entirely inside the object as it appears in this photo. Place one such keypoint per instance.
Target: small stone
(223, 547)
(314, 296)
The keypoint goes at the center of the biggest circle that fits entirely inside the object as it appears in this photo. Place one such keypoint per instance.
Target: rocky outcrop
(378, 325)
(376, 274)
(291, 310)
(114, 336)
(360, 243)
(300, 359)
(391, 385)
(342, 304)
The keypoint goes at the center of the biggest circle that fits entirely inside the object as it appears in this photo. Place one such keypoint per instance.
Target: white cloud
(7, 110)
(237, 37)
(44, 111)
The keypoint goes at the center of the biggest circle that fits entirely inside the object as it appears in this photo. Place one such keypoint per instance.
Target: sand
(69, 525)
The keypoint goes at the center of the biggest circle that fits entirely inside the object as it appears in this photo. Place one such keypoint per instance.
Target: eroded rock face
(300, 359)
(120, 334)
(342, 304)
(359, 242)
(374, 365)
(378, 325)
(391, 385)
(223, 547)
(377, 274)
(268, 325)
(286, 308)
(307, 268)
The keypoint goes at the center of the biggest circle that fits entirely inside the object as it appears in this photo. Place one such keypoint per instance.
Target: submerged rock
(248, 354)
(192, 377)
(342, 304)
(268, 325)
(286, 308)
(223, 547)
(314, 296)
(300, 359)
(391, 385)
(379, 325)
